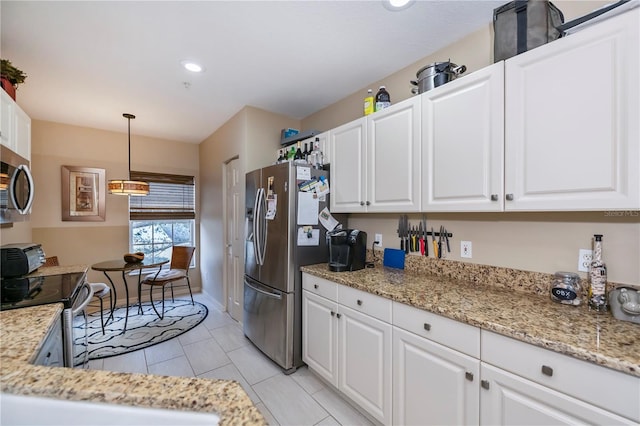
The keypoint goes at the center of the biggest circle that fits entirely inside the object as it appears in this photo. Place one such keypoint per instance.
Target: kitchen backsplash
(507, 278)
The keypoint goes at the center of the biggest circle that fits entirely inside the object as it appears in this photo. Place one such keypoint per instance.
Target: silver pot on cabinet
(436, 74)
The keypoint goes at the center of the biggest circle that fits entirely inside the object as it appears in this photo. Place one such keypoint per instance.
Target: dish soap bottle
(383, 99)
(368, 103)
(597, 278)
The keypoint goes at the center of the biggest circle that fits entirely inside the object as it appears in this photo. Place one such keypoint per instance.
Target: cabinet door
(507, 399)
(393, 158)
(463, 134)
(364, 372)
(22, 133)
(319, 336)
(432, 384)
(348, 167)
(7, 117)
(571, 121)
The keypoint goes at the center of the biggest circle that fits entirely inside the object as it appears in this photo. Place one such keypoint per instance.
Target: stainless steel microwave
(16, 187)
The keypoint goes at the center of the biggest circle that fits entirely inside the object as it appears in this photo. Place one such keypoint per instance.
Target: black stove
(22, 292)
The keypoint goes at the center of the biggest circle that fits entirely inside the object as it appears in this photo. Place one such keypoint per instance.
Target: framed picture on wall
(83, 194)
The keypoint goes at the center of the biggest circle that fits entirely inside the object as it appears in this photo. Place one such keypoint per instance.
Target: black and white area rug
(143, 330)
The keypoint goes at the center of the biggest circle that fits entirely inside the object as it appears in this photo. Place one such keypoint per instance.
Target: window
(165, 217)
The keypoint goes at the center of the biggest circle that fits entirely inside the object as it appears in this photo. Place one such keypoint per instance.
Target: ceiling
(88, 62)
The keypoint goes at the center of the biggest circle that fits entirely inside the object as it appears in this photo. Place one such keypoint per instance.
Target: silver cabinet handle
(469, 376)
(547, 371)
(509, 197)
(494, 197)
(484, 384)
(427, 326)
(359, 302)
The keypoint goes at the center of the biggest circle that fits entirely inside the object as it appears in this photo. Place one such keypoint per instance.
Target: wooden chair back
(51, 261)
(181, 257)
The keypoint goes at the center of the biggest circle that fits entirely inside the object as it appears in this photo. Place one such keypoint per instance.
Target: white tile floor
(217, 349)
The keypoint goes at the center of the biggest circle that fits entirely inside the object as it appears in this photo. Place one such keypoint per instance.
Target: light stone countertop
(529, 317)
(22, 334)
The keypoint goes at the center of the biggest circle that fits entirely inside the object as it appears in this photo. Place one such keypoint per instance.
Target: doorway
(234, 238)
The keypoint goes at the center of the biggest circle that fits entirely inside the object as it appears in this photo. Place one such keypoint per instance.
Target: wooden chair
(100, 291)
(178, 270)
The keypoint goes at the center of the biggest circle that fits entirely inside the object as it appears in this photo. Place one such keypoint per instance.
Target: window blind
(170, 197)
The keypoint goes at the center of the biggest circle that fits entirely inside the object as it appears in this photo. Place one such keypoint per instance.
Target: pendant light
(128, 187)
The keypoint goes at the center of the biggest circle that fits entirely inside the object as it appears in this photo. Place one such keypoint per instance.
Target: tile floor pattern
(217, 349)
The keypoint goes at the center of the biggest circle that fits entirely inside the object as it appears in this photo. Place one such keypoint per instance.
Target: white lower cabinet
(320, 336)
(432, 384)
(526, 383)
(406, 366)
(347, 347)
(364, 362)
(508, 399)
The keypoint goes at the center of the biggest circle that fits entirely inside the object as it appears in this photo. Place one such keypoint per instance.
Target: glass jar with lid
(566, 289)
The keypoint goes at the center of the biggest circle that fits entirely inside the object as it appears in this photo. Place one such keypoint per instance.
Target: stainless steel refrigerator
(279, 238)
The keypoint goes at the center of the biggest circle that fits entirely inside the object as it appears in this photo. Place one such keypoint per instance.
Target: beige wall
(55, 145)
(253, 136)
(545, 242)
(18, 232)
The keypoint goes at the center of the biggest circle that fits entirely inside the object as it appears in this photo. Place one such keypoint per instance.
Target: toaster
(20, 259)
(625, 304)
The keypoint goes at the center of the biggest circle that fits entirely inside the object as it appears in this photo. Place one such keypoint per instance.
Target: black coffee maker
(347, 250)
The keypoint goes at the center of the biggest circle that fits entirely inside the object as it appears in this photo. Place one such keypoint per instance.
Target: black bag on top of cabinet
(522, 25)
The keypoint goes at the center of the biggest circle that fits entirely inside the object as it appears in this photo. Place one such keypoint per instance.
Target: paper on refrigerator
(308, 236)
(308, 206)
(327, 220)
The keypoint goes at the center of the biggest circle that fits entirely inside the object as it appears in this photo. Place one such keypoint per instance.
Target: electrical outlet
(378, 239)
(465, 249)
(584, 260)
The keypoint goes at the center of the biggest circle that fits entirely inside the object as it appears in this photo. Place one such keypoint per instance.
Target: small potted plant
(11, 77)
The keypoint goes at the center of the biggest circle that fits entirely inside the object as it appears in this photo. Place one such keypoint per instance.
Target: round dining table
(124, 267)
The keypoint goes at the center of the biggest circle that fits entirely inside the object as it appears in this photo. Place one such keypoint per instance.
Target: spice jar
(565, 288)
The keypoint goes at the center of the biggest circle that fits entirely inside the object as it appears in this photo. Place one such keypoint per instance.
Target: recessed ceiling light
(192, 66)
(397, 4)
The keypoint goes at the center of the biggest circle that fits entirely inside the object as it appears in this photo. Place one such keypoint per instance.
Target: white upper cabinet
(375, 164)
(348, 146)
(22, 133)
(463, 143)
(7, 121)
(15, 127)
(571, 121)
(393, 158)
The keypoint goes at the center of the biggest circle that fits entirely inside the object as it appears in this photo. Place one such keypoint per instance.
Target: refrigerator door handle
(262, 244)
(266, 293)
(256, 226)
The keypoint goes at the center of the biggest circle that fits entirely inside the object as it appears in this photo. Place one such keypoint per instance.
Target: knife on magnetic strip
(401, 232)
(424, 235)
(406, 234)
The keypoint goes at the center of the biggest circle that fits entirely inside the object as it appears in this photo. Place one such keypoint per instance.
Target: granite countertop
(529, 317)
(23, 331)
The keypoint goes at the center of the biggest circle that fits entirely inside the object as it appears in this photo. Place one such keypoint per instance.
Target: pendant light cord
(129, 117)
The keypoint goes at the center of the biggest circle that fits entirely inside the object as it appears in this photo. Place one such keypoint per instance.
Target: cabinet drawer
(605, 388)
(453, 334)
(367, 303)
(320, 286)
